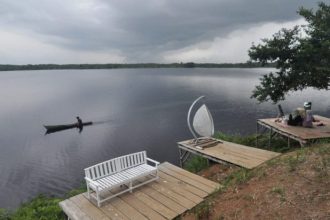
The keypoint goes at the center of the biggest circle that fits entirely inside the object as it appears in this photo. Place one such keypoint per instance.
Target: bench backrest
(116, 165)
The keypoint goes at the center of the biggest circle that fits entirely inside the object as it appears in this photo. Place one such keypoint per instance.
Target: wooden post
(180, 156)
(257, 131)
(270, 137)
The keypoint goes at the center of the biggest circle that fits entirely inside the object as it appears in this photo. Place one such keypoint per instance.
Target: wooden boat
(54, 128)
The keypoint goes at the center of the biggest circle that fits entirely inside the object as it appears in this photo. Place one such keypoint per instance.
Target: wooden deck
(228, 152)
(301, 134)
(174, 193)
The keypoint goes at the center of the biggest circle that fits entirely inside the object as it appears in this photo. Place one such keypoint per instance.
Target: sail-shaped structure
(201, 124)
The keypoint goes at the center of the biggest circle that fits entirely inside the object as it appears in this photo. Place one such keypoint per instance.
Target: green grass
(196, 164)
(280, 191)
(41, 208)
(202, 211)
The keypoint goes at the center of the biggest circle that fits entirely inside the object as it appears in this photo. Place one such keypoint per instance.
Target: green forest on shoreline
(10, 67)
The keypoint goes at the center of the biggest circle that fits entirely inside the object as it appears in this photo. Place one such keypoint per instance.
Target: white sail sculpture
(202, 123)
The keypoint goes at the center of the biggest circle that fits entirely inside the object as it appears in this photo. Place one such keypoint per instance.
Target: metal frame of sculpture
(202, 123)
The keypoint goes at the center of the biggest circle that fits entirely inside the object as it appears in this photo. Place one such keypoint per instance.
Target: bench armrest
(92, 182)
(153, 161)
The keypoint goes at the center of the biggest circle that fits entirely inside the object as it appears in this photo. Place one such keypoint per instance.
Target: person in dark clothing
(79, 124)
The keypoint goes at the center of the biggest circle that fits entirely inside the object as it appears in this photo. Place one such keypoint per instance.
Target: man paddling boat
(79, 124)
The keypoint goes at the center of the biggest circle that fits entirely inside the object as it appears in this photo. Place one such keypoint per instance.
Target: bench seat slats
(124, 176)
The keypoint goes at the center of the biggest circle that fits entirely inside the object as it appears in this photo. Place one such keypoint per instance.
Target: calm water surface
(140, 109)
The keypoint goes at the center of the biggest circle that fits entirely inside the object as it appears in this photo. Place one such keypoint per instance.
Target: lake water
(140, 109)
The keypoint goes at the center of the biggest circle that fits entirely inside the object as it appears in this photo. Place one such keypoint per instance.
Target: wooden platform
(175, 192)
(228, 152)
(301, 134)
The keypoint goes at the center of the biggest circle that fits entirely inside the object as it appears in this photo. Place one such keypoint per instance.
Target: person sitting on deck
(79, 124)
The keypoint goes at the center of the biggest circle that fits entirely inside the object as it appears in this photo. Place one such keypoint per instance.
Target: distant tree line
(8, 67)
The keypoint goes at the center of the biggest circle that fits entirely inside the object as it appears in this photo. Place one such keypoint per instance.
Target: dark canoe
(64, 127)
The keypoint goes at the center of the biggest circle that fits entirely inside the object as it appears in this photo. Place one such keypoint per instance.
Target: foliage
(195, 164)
(4, 214)
(41, 207)
(202, 211)
(301, 54)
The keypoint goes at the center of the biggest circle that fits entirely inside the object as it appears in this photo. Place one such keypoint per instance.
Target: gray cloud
(140, 31)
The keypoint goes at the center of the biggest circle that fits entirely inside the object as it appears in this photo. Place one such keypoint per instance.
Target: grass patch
(196, 164)
(4, 214)
(280, 191)
(294, 161)
(238, 177)
(278, 144)
(202, 211)
(41, 207)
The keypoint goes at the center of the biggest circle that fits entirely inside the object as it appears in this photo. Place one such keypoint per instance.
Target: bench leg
(88, 192)
(98, 199)
(130, 187)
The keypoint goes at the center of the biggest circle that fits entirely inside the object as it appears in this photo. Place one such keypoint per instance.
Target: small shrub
(221, 217)
(196, 164)
(41, 207)
(203, 210)
(4, 214)
(238, 177)
(280, 191)
(324, 150)
(294, 161)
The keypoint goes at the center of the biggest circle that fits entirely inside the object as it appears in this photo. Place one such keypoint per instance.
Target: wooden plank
(179, 189)
(89, 208)
(126, 209)
(241, 155)
(183, 172)
(173, 195)
(239, 159)
(133, 201)
(113, 212)
(186, 186)
(237, 150)
(167, 202)
(250, 151)
(73, 211)
(187, 180)
(108, 209)
(303, 133)
(155, 205)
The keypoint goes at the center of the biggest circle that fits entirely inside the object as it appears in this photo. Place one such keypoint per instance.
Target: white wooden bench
(124, 170)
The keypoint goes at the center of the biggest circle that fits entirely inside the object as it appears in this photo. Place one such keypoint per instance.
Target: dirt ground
(294, 186)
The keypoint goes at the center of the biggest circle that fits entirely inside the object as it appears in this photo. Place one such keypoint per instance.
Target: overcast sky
(120, 31)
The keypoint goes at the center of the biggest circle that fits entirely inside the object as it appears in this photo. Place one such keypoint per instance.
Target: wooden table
(301, 134)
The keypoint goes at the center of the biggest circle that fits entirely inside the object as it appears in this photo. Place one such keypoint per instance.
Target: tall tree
(301, 54)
